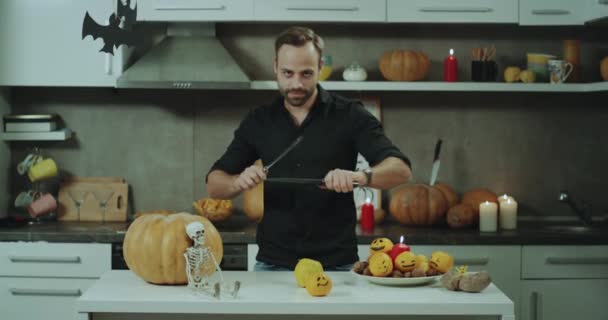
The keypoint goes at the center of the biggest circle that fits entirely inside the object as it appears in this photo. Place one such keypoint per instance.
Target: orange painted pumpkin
(253, 201)
(450, 195)
(604, 68)
(404, 65)
(154, 246)
(476, 196)
(418, 204)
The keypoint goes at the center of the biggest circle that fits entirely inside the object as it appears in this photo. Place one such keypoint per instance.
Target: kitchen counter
(121, 294)
(239, 230)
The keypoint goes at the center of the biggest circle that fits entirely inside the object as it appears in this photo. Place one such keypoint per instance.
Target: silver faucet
(583, 212)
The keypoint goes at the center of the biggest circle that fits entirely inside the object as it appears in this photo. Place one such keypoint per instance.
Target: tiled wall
(529, 145)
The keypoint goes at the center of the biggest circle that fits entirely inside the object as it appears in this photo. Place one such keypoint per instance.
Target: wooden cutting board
(93, 189)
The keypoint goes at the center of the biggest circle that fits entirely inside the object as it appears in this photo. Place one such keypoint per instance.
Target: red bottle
(450, 68)
(367, 215)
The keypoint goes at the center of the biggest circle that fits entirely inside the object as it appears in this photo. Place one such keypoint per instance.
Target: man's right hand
(249, 178)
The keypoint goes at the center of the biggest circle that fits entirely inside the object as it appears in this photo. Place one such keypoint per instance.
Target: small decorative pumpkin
(441, 261)
(512, 74)
(450, 195)
(305, 268)
(476, 196)
(418, 204)
(461, 216)
(404, 65)
(380, 245)
(319, 284)
(253, 200)
(380, 264)
(527, 76)
(154, 246)
(405, 261)
(354, 72)
(213, 209)
(604, 68)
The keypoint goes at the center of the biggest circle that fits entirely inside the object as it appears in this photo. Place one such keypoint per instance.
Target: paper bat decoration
(127, 14)
(113, 35)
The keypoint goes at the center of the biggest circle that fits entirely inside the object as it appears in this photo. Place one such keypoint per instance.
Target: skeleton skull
(196, 231)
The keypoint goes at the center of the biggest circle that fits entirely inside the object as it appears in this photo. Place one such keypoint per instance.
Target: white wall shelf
(447, 86)
(59, 135)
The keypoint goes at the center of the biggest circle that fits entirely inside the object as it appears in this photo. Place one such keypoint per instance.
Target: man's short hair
(299, 36)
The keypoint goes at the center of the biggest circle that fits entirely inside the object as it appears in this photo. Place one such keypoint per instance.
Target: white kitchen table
(120, 294)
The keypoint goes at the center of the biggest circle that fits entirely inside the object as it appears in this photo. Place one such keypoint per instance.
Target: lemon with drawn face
(318, 284)
(441, 261)
(405, 261)
(380, 264)
(422, 263)
(380, 245)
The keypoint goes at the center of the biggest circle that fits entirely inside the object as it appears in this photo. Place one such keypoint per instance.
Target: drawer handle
(472, 261)
(46, 292)
(351, 9)
(550, 12)
(535, 306)
(456, 9)
(172, 8)
(45, 259)
(563, 260)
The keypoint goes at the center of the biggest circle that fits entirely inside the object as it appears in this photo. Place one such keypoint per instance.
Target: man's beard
(298, 101)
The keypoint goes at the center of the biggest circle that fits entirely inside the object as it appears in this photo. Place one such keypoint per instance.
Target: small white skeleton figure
(199, 257)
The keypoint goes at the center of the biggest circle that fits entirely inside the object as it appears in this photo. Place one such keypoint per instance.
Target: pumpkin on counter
(476, 196)
(404, 65)
(154, 246)
(418, 204)
(450, 195)
(461, 216)
(253, 200)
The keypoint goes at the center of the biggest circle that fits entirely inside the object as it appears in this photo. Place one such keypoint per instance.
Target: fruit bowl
(390, 281)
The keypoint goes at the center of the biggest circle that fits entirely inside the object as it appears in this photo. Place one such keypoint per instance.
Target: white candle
(508, 215)
(505, 197)
(488, 215)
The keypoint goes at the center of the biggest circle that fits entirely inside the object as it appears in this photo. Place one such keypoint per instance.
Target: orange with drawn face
(380, 245)
(318, 284)
(441, 261)
(405, 261)
(380, 264)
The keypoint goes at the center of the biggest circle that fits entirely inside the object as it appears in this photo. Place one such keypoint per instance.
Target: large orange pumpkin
(604, 68)
(418, 204)
(253, 201)
(404, 65)
(476, 196)
(450, 195)
(154, 246)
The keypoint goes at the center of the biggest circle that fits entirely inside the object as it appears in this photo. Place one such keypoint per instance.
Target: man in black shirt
(307, 221)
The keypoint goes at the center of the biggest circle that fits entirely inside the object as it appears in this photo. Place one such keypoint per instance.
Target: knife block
(91, 209)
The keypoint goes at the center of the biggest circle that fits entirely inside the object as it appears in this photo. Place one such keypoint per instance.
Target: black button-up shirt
(305, 221)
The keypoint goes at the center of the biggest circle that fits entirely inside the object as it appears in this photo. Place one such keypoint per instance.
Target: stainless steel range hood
(189, 57)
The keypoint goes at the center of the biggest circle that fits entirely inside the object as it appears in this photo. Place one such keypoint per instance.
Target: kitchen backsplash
(530, 145)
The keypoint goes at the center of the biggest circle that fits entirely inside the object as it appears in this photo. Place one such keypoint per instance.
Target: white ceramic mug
(559, 70)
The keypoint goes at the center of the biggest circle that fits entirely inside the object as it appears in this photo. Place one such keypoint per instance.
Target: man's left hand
(342, 180)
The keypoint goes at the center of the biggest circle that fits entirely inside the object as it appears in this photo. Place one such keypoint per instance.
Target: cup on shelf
(42, 170)
(42, 205)
(559, 70)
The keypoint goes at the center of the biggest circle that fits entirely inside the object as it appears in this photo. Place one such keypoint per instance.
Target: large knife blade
(436, 163)
(285, 152)
(319, 182)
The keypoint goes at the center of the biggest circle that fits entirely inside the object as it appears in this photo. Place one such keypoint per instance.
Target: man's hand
(249, 178)
(342, 180)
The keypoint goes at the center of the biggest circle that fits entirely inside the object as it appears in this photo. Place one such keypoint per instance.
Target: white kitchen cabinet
(462, 11)
(41, 280)
(551, 12)
(564, 282)
(195, 10)
(320, 10)
(42, 44)
(596, 9)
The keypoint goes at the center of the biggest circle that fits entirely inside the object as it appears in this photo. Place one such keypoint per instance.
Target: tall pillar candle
(488, 216)
(508, 214)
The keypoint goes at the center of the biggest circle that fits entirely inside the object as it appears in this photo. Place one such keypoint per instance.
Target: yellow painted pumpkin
(319, 284)
(213, 209)
(253, 200)
(154, 246)
(305, 268)
(418, 204)
(422, 263)
(404, 65)
(477, 196)
(380, 245)
(380, 264)
(604, 68)
(441, 261)
(405, 261)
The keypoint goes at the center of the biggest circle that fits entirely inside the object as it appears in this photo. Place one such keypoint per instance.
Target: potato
(475, 282)
(451, 280)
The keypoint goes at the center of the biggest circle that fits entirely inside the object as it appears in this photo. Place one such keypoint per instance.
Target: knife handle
(437, 149)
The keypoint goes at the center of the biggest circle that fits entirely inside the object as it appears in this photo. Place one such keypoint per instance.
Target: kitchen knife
(319, 182)
(436, 163)
(291, 146)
